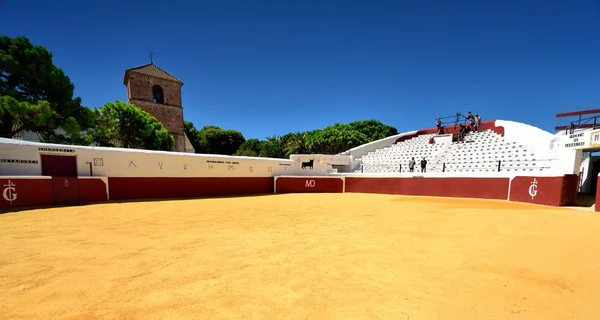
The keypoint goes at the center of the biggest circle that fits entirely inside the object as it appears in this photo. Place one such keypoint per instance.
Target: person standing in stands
(411, 165)
(470, 116)
(477, 122)
(471, 119)
(438, 124)
(423, 165)
(462, 132)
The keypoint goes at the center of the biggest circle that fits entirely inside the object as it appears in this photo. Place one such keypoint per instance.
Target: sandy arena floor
(301, 256)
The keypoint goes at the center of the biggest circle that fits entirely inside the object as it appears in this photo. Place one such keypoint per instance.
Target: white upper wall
(535, 138)
(23, 158)
(561, 149)
(338, 160)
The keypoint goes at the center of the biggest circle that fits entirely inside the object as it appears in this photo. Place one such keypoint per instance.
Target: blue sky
(271, 67)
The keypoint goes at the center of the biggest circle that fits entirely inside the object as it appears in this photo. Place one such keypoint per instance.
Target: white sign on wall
(584, 139)
(575, 140)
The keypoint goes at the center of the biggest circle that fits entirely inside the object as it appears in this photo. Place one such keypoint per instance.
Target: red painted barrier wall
(488, 188)
(22, 192)
(66, 190)
(549, 191)
(309, 184)
(165, 188)
(571, 189)
(25, 192)
(92, 190)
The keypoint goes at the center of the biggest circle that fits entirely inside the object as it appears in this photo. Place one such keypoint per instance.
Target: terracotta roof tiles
(151, 70)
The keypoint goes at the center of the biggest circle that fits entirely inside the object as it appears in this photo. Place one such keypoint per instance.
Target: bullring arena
(487, 232)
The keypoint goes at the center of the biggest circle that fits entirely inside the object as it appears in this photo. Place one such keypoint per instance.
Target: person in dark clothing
(471, 119)
(438, 124)
(461, 133)
(423, 165)
(411, 165)
(470, 116)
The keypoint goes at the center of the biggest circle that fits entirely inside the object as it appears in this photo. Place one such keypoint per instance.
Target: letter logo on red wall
(310, 184)
(533, 188)
(10, 192)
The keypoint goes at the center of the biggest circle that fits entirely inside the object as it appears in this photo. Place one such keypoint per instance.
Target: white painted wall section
(535, 138)
(23, 158)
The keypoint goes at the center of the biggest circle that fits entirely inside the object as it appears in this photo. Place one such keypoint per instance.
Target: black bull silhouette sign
(308, 164)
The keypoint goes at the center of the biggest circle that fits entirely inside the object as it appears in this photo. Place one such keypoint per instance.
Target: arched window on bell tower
(157, 94)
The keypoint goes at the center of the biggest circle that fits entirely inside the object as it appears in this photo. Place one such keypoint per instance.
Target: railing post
(499, 164)
(444, 167)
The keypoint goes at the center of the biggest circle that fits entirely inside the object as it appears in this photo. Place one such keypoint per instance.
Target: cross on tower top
(151, 55)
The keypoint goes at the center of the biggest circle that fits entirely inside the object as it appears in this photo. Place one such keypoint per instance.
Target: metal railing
(500, 165)
(461, 166)
(586, 123)
(399, 168)
(454, 121)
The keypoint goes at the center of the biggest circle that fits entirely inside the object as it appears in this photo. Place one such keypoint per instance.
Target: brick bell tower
(157, 92)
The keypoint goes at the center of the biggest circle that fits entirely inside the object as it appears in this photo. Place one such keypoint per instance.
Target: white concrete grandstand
(484, 151)
(502, 146)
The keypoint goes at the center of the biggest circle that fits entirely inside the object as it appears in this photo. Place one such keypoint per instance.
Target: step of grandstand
(395, 158)
(485, 151)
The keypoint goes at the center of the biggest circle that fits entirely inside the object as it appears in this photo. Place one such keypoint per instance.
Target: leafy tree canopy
(331, 140)
(120, 124)
(373, 129)
(192, 133)
(250, 148)
(335, 139)
(36, 95)
(273, 147)
(214, 140)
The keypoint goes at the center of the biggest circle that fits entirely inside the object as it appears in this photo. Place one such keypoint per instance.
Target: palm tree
(272, 148)
(297, 144)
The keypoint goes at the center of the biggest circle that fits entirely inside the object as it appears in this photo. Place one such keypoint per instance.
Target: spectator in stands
(470, 116)
(461, 133)
(423, 165)
(438, 124)
(471, 120)
(477, 122)
(411, 165)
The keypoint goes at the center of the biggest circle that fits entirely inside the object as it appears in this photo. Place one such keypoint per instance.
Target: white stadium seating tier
(481, 151)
